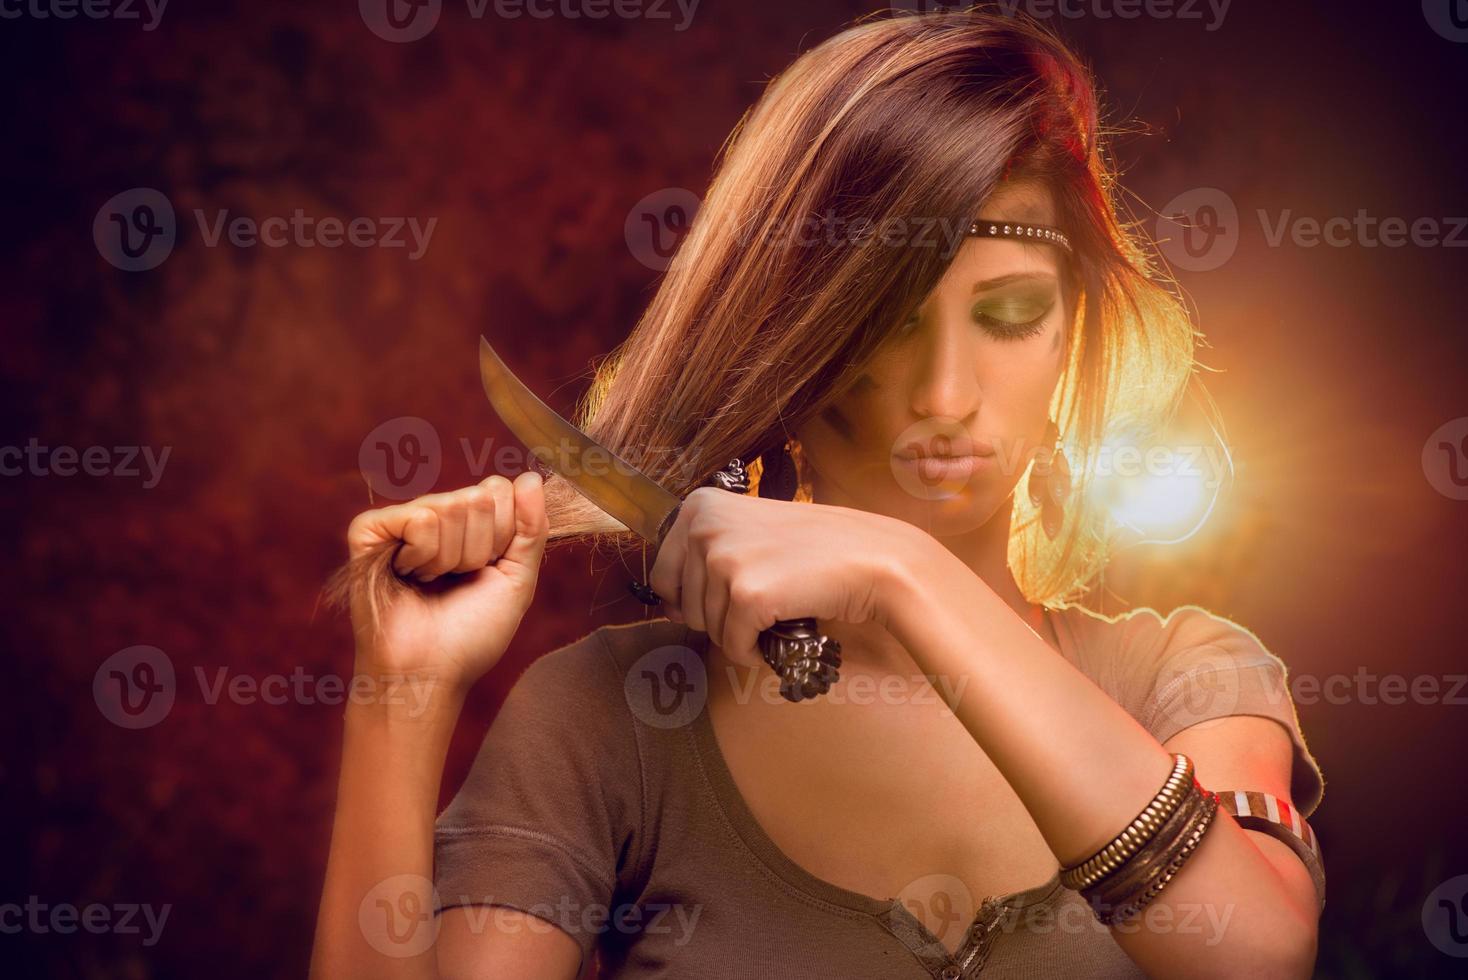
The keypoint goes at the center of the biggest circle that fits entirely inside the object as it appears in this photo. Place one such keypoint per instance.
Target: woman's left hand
(732, 565)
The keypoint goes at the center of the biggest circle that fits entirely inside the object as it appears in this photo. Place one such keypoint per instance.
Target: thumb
(532, 528)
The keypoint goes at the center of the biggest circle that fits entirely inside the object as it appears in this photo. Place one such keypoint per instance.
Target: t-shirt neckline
(736, 810)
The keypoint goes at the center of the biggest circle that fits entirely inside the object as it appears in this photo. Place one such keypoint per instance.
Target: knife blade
(806, 660)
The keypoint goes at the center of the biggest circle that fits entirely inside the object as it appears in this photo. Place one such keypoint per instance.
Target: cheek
(1025, 373)
(845, 419)
(839, 438)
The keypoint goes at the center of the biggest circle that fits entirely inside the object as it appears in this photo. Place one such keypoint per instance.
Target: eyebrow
(997, 281)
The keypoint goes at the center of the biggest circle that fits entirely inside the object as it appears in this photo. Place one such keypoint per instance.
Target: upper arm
(485, 941)
(543, 830)
(1245, 752)
(1202, 672)
(1217, 695)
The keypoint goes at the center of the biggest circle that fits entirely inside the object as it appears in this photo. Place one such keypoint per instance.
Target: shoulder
(554, 812)
(1190, 624)
(586, 679)
(629, 645)
(564, 754)
(1188, 667)
(1143, 657)
(570, 715)
(1131, 653)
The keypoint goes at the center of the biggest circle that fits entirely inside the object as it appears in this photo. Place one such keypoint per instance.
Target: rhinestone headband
(1040, 233)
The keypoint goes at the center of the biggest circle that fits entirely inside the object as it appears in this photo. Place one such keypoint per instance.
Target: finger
(695, 577)
(741, 633)
(531, 523)
(372, 527)
(715, 599)
(479, 525)
(452, 514)
(666, 575)
(503, 492)
(419, 531)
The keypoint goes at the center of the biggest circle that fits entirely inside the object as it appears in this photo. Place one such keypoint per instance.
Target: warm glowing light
(1163, 493)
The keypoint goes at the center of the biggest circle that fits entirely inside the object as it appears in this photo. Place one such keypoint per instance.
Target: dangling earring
(1050, 481)
(779, 477)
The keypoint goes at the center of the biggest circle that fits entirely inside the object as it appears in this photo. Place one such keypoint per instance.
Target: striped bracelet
(1276, 817)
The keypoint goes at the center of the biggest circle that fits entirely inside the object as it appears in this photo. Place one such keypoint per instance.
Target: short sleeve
(548, 817)
(1208, 667)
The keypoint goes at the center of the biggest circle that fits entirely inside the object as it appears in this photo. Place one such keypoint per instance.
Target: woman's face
(970, 377)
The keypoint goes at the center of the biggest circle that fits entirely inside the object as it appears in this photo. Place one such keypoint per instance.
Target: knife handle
(807, 661)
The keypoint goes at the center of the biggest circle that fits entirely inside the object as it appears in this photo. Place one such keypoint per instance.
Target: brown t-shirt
(600, 802)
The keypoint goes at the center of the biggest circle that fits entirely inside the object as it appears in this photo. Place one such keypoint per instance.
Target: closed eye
(1011, 316)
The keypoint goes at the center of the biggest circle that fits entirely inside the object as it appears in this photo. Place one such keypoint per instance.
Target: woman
(910, 250)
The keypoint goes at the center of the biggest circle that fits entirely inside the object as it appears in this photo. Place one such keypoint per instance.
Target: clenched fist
(475, 555)
(732, 565)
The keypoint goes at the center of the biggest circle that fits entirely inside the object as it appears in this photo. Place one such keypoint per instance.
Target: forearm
(1083, 767)
(387, 799)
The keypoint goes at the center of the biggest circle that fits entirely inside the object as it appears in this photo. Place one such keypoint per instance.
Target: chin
(944, 512)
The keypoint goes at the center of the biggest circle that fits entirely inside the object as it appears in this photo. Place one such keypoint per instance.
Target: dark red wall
(265, 370)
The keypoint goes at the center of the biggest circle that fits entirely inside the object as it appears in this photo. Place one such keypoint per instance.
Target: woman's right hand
(475, 556)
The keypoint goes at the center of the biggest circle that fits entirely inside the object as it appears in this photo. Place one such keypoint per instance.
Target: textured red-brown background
(530, 140)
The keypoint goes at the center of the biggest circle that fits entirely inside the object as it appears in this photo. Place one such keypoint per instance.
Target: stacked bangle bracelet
(1123, 877)
(1142, 828)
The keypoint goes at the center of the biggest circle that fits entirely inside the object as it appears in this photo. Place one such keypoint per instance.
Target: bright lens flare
(1164, 494)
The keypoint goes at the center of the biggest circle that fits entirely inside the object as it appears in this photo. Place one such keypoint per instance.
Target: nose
(945, 371)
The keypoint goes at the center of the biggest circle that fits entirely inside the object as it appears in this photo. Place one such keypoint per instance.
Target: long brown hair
(755, 325)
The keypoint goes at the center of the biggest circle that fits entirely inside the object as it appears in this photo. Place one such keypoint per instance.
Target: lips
(942, 447)
(942, 470)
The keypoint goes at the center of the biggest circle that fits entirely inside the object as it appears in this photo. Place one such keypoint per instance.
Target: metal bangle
(1142, 828)
(1133, 877)
(1189, 847)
